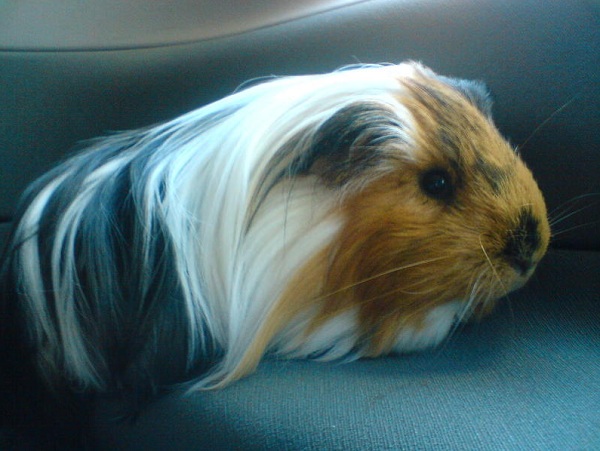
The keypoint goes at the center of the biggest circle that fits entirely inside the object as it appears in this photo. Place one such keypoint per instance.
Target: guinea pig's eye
(437, 184)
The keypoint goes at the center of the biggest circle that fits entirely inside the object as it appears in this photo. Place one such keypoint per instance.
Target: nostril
(518, 254)
(522, 242)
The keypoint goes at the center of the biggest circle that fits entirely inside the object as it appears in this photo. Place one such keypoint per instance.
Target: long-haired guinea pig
(334, 216)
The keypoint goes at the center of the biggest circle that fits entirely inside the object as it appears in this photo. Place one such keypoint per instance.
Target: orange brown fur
(396, 257)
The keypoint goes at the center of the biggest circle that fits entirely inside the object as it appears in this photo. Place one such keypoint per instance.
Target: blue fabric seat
(527, 377)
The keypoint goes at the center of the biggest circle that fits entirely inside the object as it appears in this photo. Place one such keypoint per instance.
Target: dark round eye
(437, 184)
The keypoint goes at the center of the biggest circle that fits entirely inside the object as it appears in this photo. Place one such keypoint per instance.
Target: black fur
(474, 91)
(352, 140)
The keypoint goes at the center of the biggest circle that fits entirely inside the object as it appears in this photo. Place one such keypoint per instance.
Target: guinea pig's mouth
(518, 278)
(513, 265)
(524, 266)
(501, 282)
(521, 271)
(518, 283)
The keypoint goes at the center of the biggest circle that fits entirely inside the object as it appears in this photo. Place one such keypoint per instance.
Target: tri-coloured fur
(333, 216)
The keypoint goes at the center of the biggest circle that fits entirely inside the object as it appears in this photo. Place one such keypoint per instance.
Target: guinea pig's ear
(475, 91)
(351, 141)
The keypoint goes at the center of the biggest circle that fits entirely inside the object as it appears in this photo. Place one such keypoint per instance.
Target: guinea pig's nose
(522, 242)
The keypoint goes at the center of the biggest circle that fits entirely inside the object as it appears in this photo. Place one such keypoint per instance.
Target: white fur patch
(334, 339)
(219, 192)
(435, 328)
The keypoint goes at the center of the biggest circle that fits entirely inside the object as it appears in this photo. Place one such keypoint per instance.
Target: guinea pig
(333, 217)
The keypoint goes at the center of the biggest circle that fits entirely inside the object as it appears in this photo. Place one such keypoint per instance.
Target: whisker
(566, 215)
(400, 290)
(572, 200)
(570, 229)
(498, 278)
(511, 313)
(492, 288)
(546, 121)
(419, 309)
(473, 298)
(425, 306)
(459, 321)
(382, 274)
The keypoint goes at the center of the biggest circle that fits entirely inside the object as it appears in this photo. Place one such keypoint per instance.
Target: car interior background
(527, 377)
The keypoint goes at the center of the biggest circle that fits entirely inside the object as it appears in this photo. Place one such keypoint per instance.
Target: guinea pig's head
(439, 207)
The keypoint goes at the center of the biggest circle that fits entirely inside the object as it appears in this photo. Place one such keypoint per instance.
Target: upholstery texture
(528, 377)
